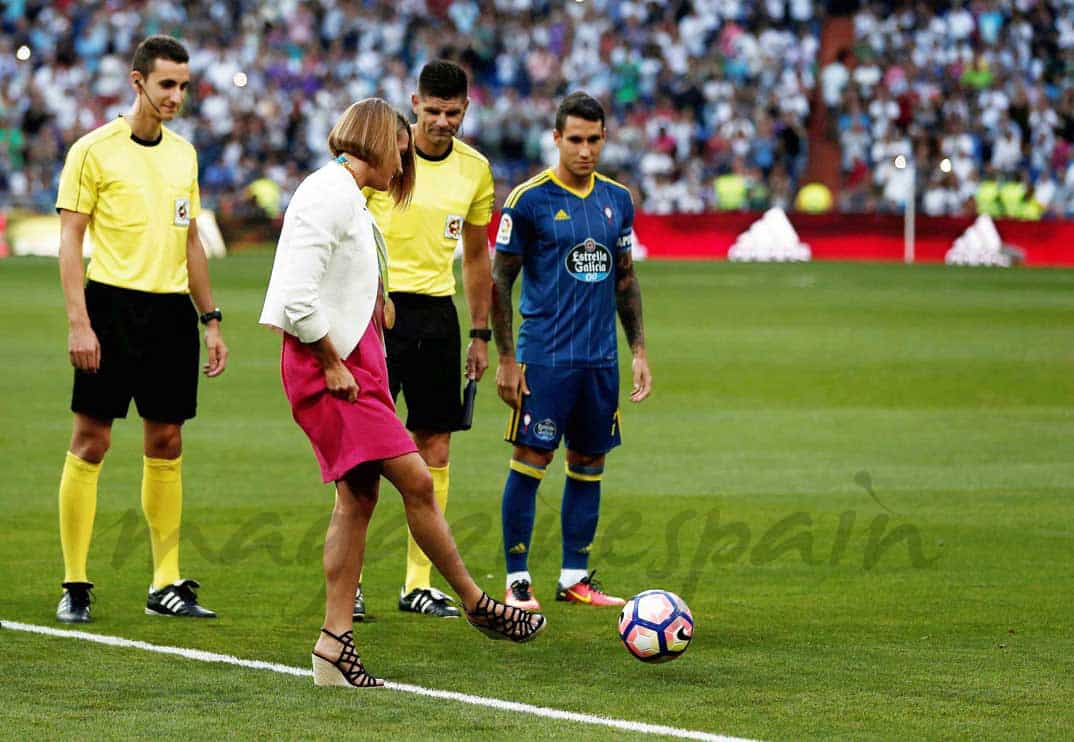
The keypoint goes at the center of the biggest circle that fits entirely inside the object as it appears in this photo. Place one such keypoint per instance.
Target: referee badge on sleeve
(453, 227)
(182, 212)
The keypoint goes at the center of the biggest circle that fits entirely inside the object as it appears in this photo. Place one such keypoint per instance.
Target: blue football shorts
(580, 405)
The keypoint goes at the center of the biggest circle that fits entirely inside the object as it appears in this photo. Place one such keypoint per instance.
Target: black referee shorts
(425, 361)
(149, 351)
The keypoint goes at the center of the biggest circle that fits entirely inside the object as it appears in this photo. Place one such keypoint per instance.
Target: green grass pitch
(860, 477)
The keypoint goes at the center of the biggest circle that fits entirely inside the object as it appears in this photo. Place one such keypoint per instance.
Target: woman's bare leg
(430, 529)
(344, 550)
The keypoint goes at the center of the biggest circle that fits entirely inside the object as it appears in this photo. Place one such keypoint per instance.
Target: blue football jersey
(569, 242)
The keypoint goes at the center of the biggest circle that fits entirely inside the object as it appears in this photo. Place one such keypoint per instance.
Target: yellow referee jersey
(422, 237)
(140, 200)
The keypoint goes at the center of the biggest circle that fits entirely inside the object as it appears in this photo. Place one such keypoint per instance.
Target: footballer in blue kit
(569, 242)
(568, 232)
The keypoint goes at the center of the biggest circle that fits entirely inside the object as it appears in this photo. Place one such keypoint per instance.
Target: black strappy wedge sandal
(346, 671)
(498, 620)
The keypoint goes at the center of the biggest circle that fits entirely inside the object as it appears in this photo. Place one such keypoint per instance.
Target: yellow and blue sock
(518, 512)
(579, 514)
(78, 508)
(162, 503)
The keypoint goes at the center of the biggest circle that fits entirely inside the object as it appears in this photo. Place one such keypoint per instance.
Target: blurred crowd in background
(709, 101)
(978, 95)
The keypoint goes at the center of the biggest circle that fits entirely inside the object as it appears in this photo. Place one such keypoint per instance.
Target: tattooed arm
(628, 304)
(510, 381)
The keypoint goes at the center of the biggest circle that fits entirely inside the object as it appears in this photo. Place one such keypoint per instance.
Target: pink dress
(345, 434)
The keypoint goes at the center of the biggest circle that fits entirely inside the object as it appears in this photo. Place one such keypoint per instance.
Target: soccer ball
(656, 626)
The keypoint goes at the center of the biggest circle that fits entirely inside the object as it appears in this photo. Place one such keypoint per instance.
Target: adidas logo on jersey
(561, 216)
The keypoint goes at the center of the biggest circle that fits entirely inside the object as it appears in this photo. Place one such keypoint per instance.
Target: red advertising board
(845, 236)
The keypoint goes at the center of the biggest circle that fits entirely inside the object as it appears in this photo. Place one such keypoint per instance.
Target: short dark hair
(158, 47)
(442, 79)
(580, 105)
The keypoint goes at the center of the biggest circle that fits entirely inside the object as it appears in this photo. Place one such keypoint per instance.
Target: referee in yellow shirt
(133, 330)
(452, 199)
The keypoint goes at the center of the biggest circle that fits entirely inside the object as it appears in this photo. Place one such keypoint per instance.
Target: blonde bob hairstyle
(369, 130)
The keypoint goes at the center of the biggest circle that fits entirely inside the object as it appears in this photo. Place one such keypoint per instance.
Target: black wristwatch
(481, 334)
(210, 316)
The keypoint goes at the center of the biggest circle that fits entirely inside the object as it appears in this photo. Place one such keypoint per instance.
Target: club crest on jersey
(453, 227)
(182, 212)
(589, 261)
(503, 234)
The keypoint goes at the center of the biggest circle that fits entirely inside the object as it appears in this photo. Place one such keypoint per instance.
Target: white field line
(493, 703)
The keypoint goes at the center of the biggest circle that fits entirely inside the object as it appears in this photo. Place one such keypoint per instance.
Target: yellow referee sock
(162, 503)
(418, 566)
(78, 508)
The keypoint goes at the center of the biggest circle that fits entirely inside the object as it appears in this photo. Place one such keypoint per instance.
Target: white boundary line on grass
(493, 703)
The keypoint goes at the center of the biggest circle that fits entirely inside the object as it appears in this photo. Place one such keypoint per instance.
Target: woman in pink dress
(327, 295)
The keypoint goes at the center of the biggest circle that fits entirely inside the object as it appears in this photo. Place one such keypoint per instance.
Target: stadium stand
(692, 87)
(977, 92)
(715, 104)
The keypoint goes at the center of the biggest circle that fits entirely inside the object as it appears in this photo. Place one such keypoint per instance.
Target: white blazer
(325, 275)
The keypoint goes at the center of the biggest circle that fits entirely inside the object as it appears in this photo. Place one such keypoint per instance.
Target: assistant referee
(453, 199)
(133, 330)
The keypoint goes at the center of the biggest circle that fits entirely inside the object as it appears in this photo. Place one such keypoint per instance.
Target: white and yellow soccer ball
(656, 626)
